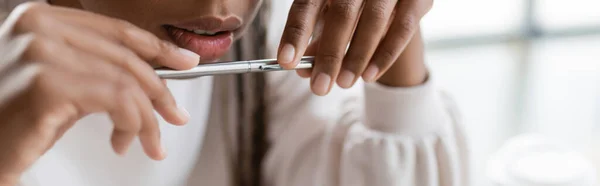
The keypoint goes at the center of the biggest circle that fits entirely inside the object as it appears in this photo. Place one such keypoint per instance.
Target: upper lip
(211, 24)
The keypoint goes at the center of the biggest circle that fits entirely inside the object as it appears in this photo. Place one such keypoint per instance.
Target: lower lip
(210, 48)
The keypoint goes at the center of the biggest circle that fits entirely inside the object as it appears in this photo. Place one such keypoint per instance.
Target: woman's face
(215, 22)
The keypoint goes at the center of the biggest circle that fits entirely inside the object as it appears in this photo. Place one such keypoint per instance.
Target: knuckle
(296, 30)
(165, 46)
(305, 5)
(387, 54)
(123, 87)
(378, 11)
(149, 130)
(29, 8)
(29, 15)
(355, 61)
(407, 24)
(29, 5)
(126, 33)
(299, 27)
(123, 27)
(330, 57)
(122, 23)
(127, 129)
(344, 9)
(39, 48)
(132, 127)
(159, 49)
(125, 57)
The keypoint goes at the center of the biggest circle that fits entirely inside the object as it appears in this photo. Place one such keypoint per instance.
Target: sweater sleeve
(371, 135)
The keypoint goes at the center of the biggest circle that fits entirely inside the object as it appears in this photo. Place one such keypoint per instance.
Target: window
(519, 66)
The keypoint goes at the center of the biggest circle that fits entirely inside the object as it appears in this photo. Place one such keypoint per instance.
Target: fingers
(401, 31)
(91, 93)
(340, 20)
(379, 31)
(133, 115)
(370, 29)
(299, 27)
(310, 51)
(156, 51)
(123, 57)
(313, 46)
(150, 132)
(103, 65)
(143, 43)
(94, 85)
(127, 121)
(123, 44)
(118, 93)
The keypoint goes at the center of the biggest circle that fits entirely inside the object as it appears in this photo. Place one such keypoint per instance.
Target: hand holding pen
(377, 32)
(61, 65)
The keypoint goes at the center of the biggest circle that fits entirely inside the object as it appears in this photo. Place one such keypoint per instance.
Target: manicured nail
(163, 151)
(184, 115)
(122, 150)
(191, 55)
(371, 73)
(346, 79)
(287, 54)
(321, 84)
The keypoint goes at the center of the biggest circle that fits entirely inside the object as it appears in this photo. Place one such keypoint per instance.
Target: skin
(378, 31)
(107, 53)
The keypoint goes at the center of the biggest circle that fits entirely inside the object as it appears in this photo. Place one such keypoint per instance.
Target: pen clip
(270, 67)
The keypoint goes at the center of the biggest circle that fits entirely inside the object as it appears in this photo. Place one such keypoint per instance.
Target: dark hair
(252, 125)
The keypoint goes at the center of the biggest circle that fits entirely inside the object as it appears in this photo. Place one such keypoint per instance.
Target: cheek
(144, 18)
(111, 8)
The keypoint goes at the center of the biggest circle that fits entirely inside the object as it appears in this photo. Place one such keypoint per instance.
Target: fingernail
(122, 152)
(184, 115)
(163, 151)
(346, 79)
(287, 54)
(321, 84)
(370, 73)
(191, 55)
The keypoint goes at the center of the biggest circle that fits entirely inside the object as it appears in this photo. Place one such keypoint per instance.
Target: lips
(209, 37)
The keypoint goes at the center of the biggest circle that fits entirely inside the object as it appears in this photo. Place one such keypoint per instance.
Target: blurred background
(517, 67)
(520, 67)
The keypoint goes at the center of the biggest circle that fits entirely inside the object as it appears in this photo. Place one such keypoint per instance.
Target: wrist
(409, 69)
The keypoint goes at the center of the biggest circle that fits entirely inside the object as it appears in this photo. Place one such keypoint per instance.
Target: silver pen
(234, 67)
